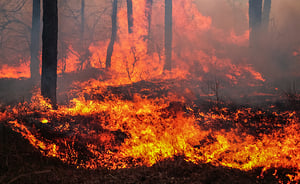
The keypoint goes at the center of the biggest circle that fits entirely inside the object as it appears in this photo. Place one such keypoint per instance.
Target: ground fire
(128, 99)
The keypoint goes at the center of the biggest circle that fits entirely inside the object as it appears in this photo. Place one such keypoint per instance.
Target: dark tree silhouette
(49, 51)
(266, 14)
(110, 48)
(148, 15)
(83, 54)
(82, 12)
(168, 35)
(129, 16)
(35, 40)
(255, 17)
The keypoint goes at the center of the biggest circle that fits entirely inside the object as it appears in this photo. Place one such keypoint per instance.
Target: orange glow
(15, 72)
(99, 129)
(296, 52)
(151, 134)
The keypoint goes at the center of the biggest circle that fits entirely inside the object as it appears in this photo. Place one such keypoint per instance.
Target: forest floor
(21, 163)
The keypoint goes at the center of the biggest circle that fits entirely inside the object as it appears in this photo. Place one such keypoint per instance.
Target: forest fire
(141, 107)
(116, 133)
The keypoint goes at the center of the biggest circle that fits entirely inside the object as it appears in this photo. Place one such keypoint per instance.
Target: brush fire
(143, 84)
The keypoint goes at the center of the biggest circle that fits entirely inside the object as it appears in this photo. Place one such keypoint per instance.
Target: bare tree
(35, 40)
(168, 35)
(148, 14)
(49, 50)
(82, 12)
(14, 31)
(129, 16)
(255, 17)
(266, 14)
(84, 50)
(113, 34)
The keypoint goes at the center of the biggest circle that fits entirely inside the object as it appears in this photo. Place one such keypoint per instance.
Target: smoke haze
(210, 42)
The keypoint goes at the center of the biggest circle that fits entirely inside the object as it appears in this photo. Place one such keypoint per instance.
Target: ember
(133, 101)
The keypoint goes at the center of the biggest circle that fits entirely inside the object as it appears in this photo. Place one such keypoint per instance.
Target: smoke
(210, 43)
(277, 54)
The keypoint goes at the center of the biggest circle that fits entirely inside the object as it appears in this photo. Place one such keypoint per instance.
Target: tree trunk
(168, 35)
(35, 41)
(255, 17)
(49, 55)
(82, 19)
(83, 57)
(129, 16)
(110, 48)
(266, 14)
(148, 14)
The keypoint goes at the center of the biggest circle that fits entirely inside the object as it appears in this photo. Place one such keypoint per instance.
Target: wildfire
(119, 133)
(140, 127)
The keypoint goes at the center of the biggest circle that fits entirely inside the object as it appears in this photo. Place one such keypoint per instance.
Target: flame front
(116, 133)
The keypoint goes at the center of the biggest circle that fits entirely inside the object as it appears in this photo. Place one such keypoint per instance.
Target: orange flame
(153, 133)
(21, 71)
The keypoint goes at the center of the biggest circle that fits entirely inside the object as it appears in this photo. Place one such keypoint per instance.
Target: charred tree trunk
(148, 14)
(266, 14)
(49, 55)
(255, 18)
(168, 35)
(82, 19)
(82, 43)
(129, 16)
(110, 48)
(35, 41)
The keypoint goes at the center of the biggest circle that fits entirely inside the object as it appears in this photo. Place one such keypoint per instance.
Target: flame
(194, 55)
(15, 72)
(100, 129)
(145, 131)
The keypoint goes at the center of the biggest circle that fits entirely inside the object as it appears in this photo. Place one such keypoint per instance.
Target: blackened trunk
(148, 14)
(255, 17)
(129, 16)
(35, 41)
(49, 51)
(168, 35)
(110, 48)
(266, 14)
(82, 43)
(82, 19)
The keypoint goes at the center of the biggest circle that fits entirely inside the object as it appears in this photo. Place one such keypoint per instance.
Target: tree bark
(129, 16)
(82, 19)
(82, 52)
(168, 35)
(35, 41)
(49, 51)
(266, 14)
(148, 14)
(255, 18)
(110, 48)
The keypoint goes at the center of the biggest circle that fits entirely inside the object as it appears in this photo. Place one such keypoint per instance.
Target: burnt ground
(21, 163)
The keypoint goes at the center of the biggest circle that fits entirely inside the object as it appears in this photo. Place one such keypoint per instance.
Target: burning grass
(108, 127)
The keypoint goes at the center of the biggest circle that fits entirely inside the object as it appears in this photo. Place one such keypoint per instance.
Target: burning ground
(144, 128)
